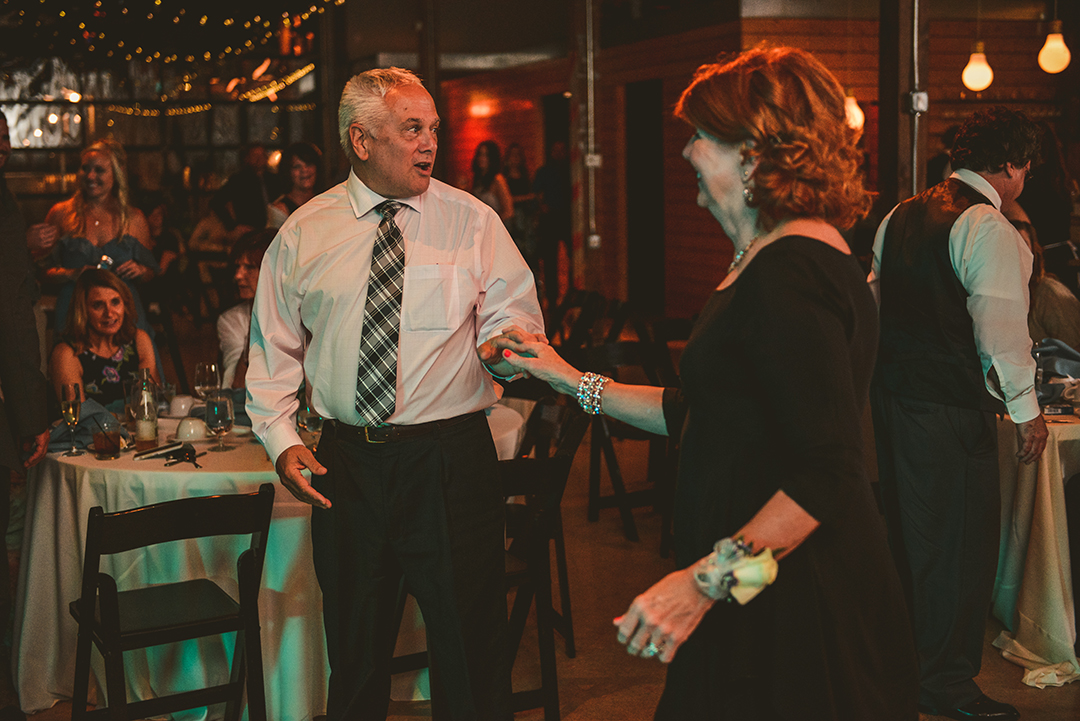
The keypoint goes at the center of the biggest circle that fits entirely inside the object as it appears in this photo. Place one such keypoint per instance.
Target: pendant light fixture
(1054, 56)
(977, 75)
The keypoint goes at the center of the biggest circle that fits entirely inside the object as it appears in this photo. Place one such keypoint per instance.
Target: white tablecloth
(1033, 592)
(61, 492)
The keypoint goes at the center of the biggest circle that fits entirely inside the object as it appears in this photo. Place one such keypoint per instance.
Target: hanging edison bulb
(977, 75)
(1054, 56)
(853, 113)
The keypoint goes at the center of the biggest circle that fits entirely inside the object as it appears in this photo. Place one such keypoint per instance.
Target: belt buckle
(368, 438)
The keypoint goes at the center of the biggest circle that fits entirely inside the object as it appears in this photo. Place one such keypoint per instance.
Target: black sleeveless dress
(775, 384)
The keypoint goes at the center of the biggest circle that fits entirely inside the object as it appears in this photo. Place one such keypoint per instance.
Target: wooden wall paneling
(697, 251)
(613, 198)
(694, 243)
(503, 106)
(605, 269)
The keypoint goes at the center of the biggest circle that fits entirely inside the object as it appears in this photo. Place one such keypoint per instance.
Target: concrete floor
(606, 571)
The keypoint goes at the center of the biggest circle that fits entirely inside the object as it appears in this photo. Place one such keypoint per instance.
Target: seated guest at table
(100, 228)
(233, 326)
(1054, 311)
(302, 166)
(101, 347)
(779, 169)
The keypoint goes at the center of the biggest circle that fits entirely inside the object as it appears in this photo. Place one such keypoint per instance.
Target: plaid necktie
(377, 375)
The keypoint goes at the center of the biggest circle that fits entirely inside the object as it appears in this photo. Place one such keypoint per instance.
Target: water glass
(219, 416)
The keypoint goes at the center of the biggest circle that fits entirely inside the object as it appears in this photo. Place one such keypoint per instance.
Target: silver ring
(650, 650)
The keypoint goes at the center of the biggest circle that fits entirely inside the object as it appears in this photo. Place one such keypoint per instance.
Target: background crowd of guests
(535, 209)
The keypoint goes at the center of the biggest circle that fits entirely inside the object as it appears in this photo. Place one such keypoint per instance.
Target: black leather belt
(391, 433)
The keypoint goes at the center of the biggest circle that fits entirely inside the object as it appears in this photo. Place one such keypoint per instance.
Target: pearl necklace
(739, 256)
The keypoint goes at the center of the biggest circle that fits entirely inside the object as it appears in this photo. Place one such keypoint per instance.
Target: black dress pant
(938, 468)
(431, 510)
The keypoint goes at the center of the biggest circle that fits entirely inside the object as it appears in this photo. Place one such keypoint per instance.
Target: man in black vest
(951, 276)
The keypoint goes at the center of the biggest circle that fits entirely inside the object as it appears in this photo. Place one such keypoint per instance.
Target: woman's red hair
(789, 111)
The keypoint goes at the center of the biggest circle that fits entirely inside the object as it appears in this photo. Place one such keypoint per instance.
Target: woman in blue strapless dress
(98, 227)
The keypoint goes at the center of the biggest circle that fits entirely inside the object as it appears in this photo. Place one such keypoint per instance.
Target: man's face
(246, 276)
(396, 161)
(1016, 177)
(5, 142)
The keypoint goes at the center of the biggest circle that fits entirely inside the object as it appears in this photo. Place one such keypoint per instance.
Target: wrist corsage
(734, 571)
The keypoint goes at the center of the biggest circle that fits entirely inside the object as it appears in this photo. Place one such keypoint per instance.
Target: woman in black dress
(775, 380)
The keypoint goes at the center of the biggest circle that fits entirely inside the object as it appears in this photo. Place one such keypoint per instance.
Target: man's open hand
(290, 464)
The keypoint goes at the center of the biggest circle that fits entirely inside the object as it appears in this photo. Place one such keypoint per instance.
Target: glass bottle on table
(145, 406)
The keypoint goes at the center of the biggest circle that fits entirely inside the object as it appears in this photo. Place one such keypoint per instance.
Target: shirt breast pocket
(436, 298)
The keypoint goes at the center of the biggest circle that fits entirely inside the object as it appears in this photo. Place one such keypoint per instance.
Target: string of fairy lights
(167, 31)
(197, 34)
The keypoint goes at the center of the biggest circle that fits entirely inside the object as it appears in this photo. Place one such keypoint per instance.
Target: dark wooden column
(902, 71)
(428, 46)
(331, 75)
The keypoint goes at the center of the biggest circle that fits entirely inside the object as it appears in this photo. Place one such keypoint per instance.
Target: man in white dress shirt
(412, 492)
(952, 280)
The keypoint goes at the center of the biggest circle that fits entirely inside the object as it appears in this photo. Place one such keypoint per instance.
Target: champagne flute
(219, 416)
(207, 379)
(70, 404)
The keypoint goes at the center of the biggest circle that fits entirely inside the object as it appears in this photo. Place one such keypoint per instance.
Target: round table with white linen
(60, 493)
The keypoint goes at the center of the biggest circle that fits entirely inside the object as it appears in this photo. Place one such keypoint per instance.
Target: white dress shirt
(993, 264)
(232, 332)
(465, 281)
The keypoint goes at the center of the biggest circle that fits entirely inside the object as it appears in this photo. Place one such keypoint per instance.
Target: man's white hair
(363, 101)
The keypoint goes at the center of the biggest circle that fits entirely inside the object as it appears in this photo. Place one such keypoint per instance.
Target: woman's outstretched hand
(491, 351)
(662, 618)
(537, 359)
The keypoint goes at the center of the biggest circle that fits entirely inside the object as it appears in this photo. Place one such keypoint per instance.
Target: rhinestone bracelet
(589, 389)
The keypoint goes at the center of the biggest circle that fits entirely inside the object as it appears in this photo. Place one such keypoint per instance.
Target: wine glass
(207, 379)
(307, 419)
(219, 416)
(70, 403)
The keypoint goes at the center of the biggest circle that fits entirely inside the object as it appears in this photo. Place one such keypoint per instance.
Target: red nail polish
(506, 353)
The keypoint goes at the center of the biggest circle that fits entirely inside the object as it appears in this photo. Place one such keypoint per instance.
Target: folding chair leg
(565, 618)
(237, 676)
(545, 630)
(256, 695)
(595, 445)
(617, 486)
(82, 675)
(519, 614)
(249, 641)
(114, 683)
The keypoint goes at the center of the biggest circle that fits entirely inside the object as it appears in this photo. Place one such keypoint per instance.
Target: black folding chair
(554, 434)
(117, 621)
